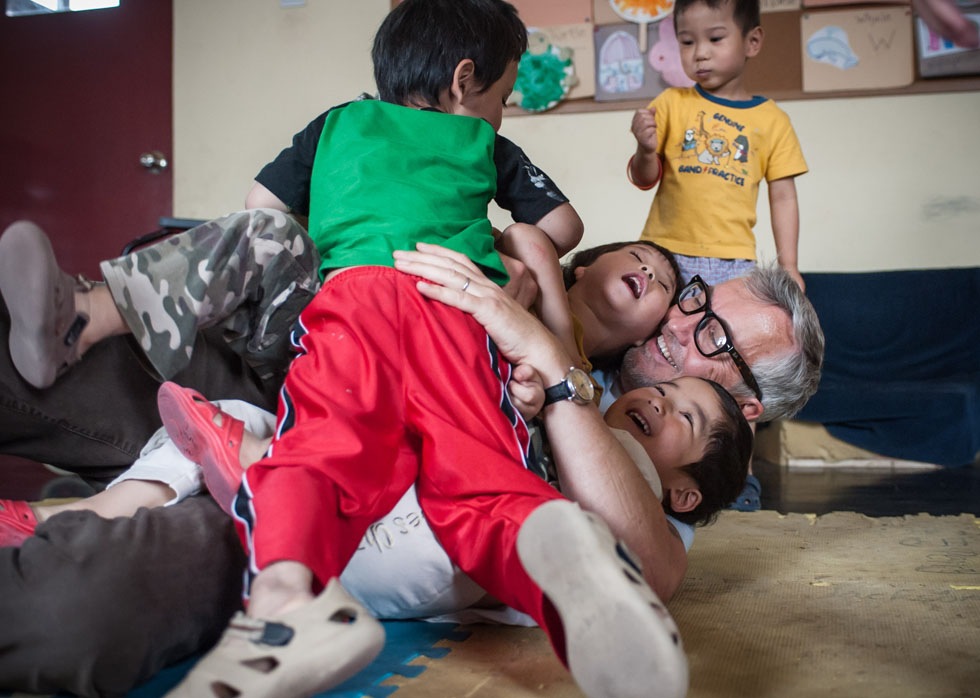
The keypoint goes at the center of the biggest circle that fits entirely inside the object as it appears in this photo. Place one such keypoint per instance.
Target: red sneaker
(17, 522)
(207, 436)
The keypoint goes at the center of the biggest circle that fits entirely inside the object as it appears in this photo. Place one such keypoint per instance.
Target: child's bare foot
(209, 437)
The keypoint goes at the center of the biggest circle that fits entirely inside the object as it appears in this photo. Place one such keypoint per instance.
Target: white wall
(893, 181)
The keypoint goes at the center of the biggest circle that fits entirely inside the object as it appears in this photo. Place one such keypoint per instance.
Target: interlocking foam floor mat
(405, 641)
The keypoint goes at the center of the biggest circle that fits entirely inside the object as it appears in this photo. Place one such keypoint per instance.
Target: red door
(85, 94)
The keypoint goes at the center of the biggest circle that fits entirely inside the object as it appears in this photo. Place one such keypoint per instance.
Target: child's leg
(252, 272)
(161, 476)
(217, 441)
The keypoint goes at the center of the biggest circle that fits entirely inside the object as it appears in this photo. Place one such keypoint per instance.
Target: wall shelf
(922, 86)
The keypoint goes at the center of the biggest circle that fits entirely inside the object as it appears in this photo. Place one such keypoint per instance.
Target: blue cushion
(902, 366)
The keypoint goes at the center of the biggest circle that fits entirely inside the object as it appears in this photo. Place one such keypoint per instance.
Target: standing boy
(710, 145)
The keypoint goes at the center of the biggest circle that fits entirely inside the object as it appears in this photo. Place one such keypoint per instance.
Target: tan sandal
(620, 640)
(308, 650)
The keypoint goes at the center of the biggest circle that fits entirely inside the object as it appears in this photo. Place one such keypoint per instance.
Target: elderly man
(178, 569)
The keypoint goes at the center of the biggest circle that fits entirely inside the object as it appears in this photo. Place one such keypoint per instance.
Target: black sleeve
(288, 176)
(524, 190)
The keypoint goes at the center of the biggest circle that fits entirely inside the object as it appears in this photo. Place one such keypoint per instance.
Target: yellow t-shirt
(714, 154)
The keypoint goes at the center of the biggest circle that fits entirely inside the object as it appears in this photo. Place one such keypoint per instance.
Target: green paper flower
(543, 78)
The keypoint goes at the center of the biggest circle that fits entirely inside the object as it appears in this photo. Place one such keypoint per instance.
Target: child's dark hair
(745, 12)
(586, 257)
(420, 43)
(721, 472)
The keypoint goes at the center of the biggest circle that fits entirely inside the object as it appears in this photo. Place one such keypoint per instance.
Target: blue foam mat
(404, 642)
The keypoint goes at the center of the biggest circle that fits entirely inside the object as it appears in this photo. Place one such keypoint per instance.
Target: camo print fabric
(249, 273)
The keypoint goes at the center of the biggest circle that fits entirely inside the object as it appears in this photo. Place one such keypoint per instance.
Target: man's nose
(681, 325)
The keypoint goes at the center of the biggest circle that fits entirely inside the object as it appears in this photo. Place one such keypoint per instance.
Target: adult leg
(249, 273)
(96, 606)
(95, 419)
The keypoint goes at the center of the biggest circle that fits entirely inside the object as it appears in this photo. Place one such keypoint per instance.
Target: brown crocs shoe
(308, 650)
(44, 323)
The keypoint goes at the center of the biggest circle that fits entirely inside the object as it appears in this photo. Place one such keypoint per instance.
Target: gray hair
(787, 381)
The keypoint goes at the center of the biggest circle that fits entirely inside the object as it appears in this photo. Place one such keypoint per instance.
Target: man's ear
(753, 42)
(684, 499)
(464, 80)
(577, 272)
(751, 408)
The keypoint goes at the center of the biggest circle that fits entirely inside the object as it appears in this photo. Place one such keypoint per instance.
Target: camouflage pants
(249, 273)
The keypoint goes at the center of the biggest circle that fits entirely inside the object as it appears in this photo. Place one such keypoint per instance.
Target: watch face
(581, 385)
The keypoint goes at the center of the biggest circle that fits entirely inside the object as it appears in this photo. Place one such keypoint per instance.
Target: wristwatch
(575, 386)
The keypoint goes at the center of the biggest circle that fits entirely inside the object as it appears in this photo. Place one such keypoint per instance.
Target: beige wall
(893, 181)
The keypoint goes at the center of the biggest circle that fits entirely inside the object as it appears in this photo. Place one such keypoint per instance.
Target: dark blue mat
(405, 641)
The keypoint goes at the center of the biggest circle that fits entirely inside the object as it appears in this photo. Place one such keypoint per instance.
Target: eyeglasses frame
(729, 348)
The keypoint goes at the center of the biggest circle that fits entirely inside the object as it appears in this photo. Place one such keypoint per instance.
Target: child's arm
(644, 168)
(260, 197)
(526, 389)
(564, 228)
(534, 248)
(784, 211)
(530, 195)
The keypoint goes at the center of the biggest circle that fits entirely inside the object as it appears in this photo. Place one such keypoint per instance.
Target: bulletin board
(596, 55)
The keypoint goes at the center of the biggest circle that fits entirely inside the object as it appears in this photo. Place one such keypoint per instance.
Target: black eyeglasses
(712, 336)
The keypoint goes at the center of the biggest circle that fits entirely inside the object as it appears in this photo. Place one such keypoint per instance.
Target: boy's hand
(644, 128)
(526, 390)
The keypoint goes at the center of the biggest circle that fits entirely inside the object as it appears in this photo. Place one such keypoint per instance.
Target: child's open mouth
(637, 284)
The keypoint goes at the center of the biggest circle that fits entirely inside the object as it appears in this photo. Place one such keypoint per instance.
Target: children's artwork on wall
(665, 55)
(829, 3)
(578, 39)
(940, 57)
(622, 71)
(831, 45)
(778, 6)
(545, 74)
(544, 13)
(867, 48)
(643, 13)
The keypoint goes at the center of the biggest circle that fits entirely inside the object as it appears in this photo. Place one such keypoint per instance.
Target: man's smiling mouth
(662, 345)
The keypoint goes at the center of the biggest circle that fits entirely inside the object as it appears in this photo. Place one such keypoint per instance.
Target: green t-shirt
(386, 177)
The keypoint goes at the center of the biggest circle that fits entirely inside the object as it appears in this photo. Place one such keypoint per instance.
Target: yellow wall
(894, 182)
